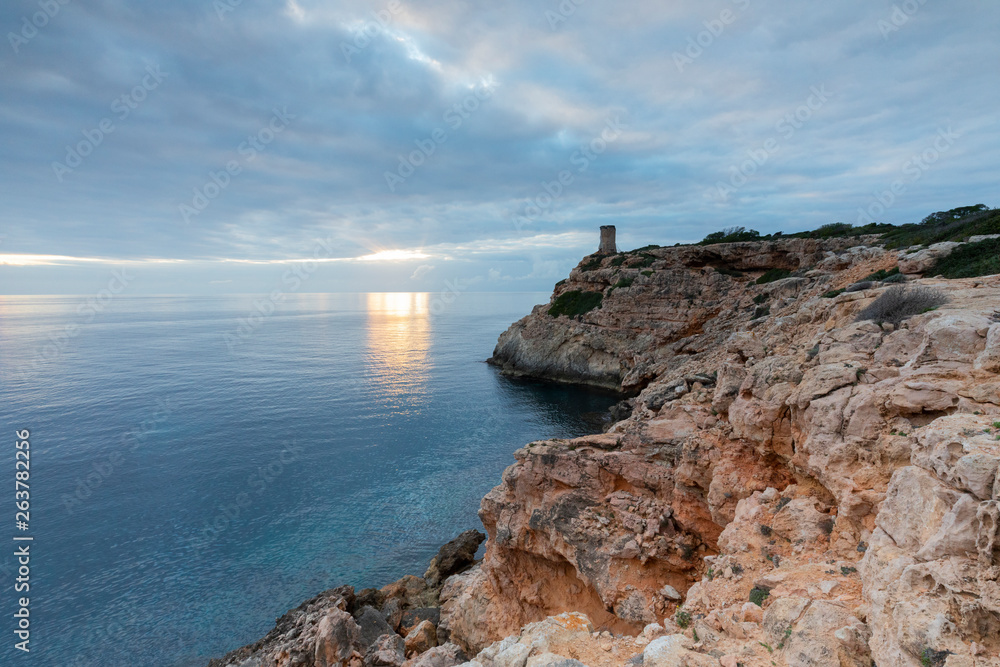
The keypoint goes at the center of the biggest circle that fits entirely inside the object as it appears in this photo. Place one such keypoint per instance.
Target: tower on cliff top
(608, 240)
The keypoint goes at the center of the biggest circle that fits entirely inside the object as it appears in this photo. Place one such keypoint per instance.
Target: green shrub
(646, 273)
(761, 311)
(954, 225)
(726, 271)
(932, 658)
(758, 595)
(731, 235)
(900, 302)
(843, 230)
(646, 261)
(773, 274)
(592, 262)
(624, 282)
(833, 293)
(575, 303)
(859, 287)
(619, 259)
(969, 261)
(683, 619)
(894, 278)
(761, 298)
(882, 274)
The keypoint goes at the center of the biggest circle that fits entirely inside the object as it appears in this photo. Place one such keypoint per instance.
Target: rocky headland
(805, 473)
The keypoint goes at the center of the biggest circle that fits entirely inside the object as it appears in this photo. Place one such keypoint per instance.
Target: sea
(200, 465)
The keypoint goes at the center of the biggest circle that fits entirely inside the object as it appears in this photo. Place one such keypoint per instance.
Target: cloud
(369, 91)
(421, 271)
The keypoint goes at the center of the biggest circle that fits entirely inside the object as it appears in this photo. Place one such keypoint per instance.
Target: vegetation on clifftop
(956, 224)
(969, 261)
(575, 302)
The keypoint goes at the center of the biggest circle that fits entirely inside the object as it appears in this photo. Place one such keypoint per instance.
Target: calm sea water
(191, 480)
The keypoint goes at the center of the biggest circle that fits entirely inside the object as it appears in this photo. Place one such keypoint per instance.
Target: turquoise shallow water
(188, 487)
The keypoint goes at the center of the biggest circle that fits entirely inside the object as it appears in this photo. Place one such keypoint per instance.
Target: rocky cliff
(808, 476)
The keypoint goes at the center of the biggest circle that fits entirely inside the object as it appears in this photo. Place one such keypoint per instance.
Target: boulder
(421, 638)
(386, 651)
(446, 655)
(413, 617)
(453, 557)
(674, 651)
(337, 638)
(372, 624)
(921, 260)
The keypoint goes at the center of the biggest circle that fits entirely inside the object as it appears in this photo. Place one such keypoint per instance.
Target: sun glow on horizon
(393, 256)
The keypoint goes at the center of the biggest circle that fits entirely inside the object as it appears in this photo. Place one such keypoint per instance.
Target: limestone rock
(386, 651)
(674, 651)
(421, 638)
(337, 638)
(454, 557)
(921, 260)
(446, 655)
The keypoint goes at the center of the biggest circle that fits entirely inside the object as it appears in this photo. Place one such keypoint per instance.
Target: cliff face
(841, 474)
(793, 486)
(679, 301)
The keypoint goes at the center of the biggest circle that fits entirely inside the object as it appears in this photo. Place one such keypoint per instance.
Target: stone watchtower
(608, 246)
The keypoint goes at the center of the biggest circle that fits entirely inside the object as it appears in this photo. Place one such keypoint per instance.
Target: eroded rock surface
(788, 487)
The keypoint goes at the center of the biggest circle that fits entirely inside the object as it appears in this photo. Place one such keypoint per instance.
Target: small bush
(969, 261)
(859, 287)
(683, 619)
(932, 658)
(731, 235)
(575, 302)
(894, 278)
(900, 302)
(618, 260)
(882, 274)
(833, 293)
(773, 274)
(758, 595)
(646, 261)
(732, 273)
(761, 311)
(646, 273)
(592, 262)
(761, 298)
(624, 282)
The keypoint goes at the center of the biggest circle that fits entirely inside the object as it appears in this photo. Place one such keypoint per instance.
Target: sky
(211, 146)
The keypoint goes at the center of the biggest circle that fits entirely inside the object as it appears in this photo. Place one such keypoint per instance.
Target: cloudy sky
(203, 146)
